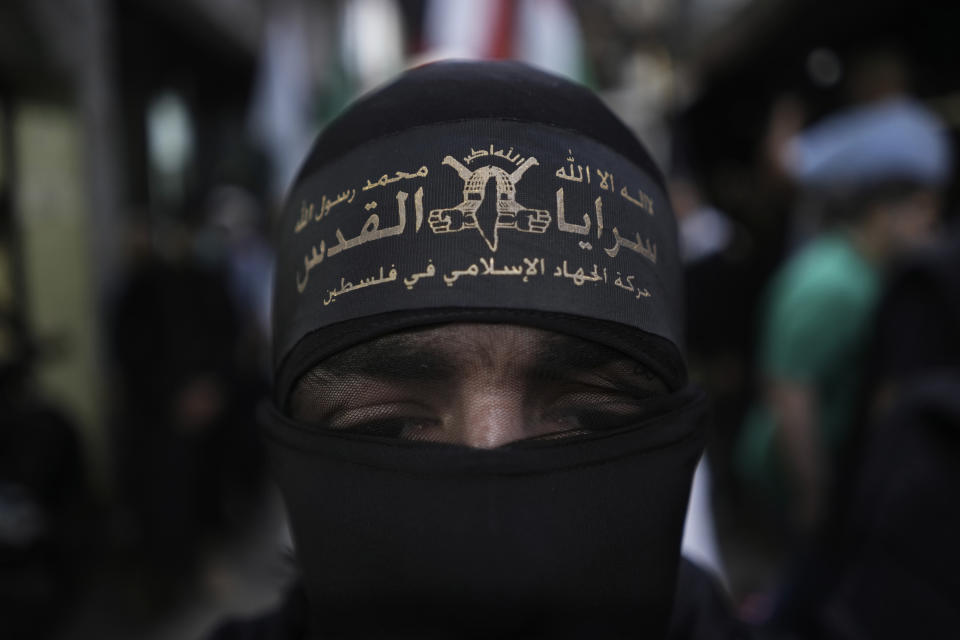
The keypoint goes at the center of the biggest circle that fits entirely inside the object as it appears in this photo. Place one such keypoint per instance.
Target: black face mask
(577, 537)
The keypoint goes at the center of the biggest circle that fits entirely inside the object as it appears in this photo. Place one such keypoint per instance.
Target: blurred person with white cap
(879, 168)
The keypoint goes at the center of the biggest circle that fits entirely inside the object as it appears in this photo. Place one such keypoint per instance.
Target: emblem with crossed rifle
(506, 214)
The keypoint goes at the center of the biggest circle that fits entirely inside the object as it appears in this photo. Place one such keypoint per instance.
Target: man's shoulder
(702, 610)
(285, 622)
(826, 283)
(828, 266)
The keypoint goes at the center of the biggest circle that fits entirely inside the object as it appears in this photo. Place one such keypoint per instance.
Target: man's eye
(596, 420)
(391, 427)
(389, 421)
(593, 412)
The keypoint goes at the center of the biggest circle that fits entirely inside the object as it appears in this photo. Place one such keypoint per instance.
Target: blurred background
(146, 145)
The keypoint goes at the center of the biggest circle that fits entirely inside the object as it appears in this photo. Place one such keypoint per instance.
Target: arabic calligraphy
(562, 173)
(644, 201)
(369, 232)
(384, 180)
(508, 155)
(487, 207)
(347, 287)
(309, 262)
(580, 276)
(531, 267)
(627, 285)
(415, 277)
(371, 229)
(645, 248)
(306, 214)
(605, 176)
(456, 274)
(418, 208)
(309, 212)
(569, 227)
(576, 173)
(485, 267)
(583, 229)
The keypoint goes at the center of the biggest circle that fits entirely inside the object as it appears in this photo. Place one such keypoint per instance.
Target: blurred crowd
(836, 407)
(822, 255)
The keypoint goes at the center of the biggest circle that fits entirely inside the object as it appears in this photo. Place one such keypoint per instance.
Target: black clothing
(286, 622)
(43, 516)
(899, 573)
(886, 564)
(918, 318)
(485, 215)
(896, 558)
(700, 612)
(458, 194)
(570, 538)
(175, 340)
(454, 91)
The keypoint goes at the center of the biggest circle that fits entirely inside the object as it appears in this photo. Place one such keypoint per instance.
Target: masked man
(481, 422)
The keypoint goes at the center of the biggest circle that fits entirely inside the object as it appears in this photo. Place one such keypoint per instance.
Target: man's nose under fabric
(488, 417)
(488, 401)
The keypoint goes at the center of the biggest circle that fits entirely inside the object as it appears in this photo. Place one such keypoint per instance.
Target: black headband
(545, 212)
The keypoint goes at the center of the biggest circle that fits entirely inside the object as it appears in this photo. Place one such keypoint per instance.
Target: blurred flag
(281, 112)
(372, 41)
(543, 33)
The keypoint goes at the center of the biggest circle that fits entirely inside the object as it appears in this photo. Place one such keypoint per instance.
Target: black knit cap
(452, 91)
(477, 192)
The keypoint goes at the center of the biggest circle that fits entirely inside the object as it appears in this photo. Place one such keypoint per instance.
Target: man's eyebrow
(564, 356)
(396, 358)
(566, 352)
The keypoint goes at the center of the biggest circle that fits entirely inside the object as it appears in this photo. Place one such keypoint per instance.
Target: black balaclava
(492, 193)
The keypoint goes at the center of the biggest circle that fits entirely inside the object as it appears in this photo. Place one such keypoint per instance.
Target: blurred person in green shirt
(881, 167)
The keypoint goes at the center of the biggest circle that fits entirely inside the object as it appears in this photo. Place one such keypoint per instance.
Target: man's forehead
(456, 345)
